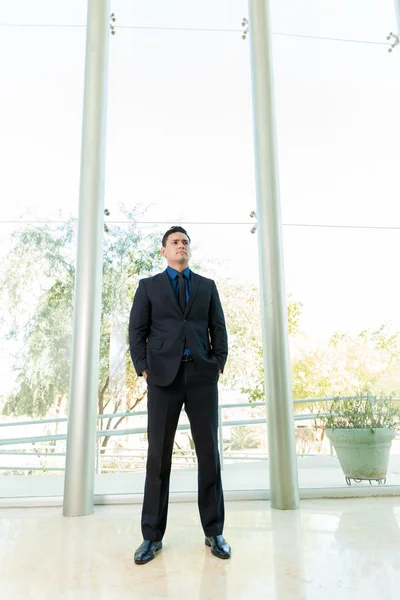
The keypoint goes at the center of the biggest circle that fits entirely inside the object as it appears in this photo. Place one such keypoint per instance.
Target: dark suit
(158, 334)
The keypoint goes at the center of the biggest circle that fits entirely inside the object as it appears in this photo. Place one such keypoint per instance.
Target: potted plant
(361, 429)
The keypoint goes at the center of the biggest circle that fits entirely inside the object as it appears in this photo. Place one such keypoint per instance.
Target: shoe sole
(227, 556)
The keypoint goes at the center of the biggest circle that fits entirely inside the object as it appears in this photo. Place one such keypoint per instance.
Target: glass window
(175, 14)
(357, 20)
(42, 45)
(132, 252)
(337, 131)
(47, 13)
(180, 129)
(37, 276)
(41, 121)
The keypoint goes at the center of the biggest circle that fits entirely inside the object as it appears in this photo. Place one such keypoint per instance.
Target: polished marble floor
(347, 548)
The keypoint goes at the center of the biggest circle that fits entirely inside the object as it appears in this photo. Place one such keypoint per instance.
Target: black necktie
(182, 293)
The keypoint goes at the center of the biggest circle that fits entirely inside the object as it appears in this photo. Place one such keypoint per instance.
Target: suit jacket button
(185, 320)
(182, 339)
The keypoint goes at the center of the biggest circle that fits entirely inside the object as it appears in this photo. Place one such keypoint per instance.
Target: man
(179, 344)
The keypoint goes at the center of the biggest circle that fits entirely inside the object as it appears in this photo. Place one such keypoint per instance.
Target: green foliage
(37, 290)
(255, 390)
(347, 365)
(361, 412)
(246, 438)
(37, 280)
(294, 314)
(368, 362)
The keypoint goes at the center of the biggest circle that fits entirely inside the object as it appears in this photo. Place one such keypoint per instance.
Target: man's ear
(162, 250)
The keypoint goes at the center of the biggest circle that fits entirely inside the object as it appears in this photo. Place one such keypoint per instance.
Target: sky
(180, 137)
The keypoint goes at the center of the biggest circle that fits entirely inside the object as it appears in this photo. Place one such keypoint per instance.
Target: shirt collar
(172, 273)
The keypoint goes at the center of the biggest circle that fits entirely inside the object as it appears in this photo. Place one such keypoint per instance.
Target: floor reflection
(287, 552)
(328, 548)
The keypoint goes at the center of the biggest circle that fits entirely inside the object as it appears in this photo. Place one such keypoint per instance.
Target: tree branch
(105, 386)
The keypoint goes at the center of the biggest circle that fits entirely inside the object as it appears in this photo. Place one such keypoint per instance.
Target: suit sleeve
(217, 328)
(139, 328)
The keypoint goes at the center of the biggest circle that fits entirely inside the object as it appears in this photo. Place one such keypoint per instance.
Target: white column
(280, 417)
(397, 9)
(80, 460)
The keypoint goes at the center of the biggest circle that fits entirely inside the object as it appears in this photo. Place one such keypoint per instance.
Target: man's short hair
(174, 229)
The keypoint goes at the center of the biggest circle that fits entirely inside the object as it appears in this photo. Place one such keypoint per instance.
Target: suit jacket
(158, 328)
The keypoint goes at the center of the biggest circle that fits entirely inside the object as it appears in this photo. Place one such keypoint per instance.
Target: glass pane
(358, 19)
(223, 14)
(349, 333)
(337, 120)
(344, 278)
(43, 12)
(41, 120)
(36, 288)
(134, 248)
(180, 128)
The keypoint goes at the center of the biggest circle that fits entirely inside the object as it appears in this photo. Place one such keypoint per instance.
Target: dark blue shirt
(173, 277)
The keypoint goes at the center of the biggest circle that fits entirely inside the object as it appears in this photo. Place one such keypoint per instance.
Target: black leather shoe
(219, 547)
(147, 551)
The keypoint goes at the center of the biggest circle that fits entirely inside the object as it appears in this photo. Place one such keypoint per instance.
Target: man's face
(177, 249)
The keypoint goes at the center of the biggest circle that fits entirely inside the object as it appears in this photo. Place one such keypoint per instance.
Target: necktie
(182, 293)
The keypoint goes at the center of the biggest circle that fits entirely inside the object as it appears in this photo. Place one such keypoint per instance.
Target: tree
(367, 362)
(37, 289)
(347, 365)
(248, 303)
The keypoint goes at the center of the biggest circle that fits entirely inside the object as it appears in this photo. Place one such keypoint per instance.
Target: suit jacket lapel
(194, 286)
(169, 291)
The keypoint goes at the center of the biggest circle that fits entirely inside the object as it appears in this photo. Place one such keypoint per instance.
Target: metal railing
(181, 456)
